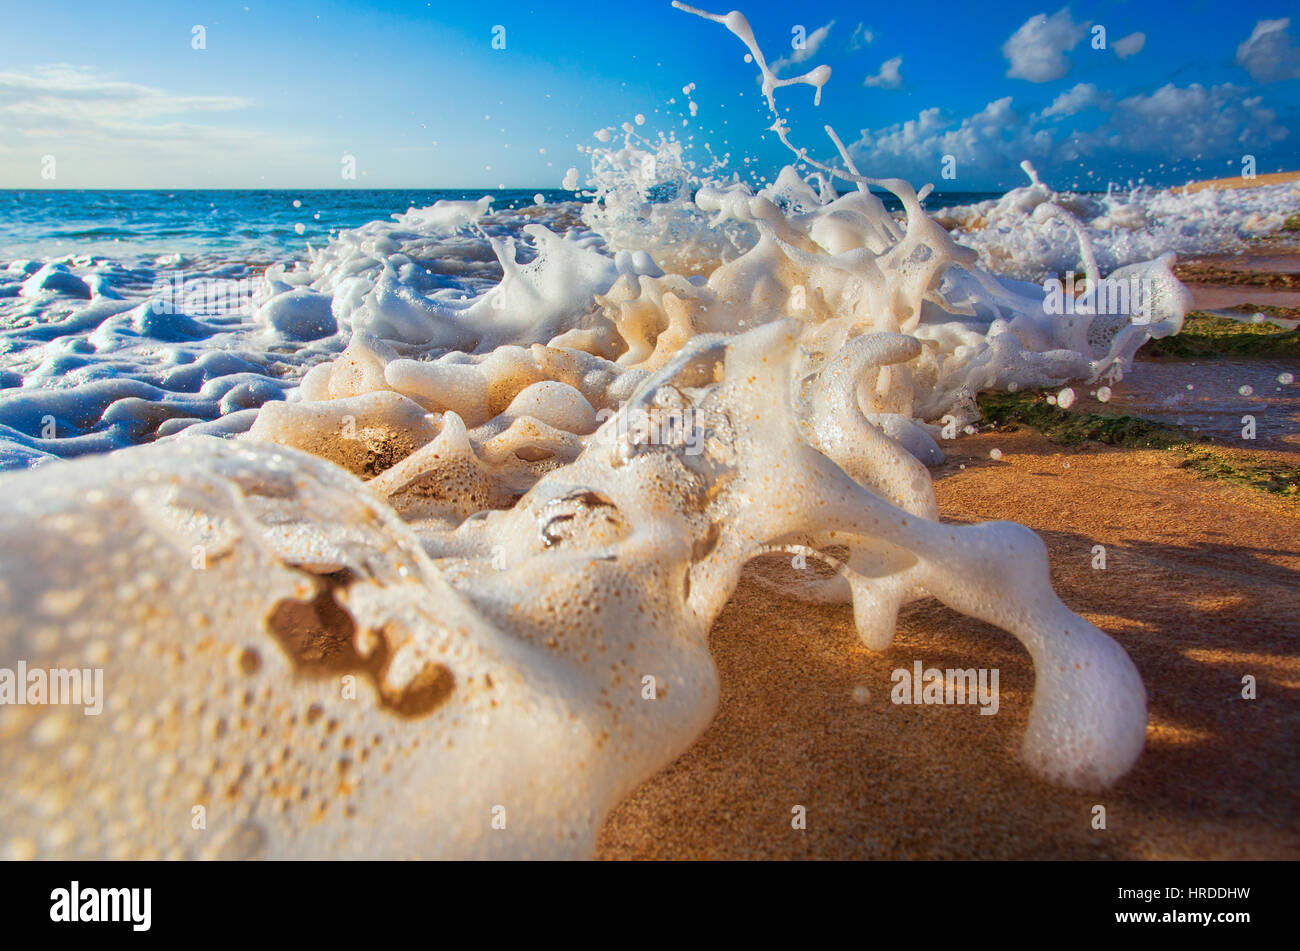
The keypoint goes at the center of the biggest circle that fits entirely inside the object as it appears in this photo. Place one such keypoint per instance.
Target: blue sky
(118, 97)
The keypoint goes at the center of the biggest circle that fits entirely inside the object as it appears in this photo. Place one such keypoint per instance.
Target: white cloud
(1129, 45)
(1078, 99)
(861, 37)
(889, 76)
(1036, 51)
(1187, 122)
(1268, 54)
(914, 148)
(812, 43)
(63, 91)
(109, 133)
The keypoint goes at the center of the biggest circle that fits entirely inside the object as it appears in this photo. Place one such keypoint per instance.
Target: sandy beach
(1238, 181)
(1199, 588)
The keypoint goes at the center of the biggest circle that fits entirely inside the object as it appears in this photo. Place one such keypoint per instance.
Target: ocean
(258, 225)
(241, 224)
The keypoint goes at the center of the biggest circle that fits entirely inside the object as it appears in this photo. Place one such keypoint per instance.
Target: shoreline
(1236, 181)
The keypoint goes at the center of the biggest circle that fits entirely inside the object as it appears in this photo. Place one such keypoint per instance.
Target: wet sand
(1204, 397)
(1266, 276)
(1218, 297)
(1200, 588)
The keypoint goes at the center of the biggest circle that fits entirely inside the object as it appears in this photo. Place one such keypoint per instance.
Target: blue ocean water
(252, 225)
(256, 226)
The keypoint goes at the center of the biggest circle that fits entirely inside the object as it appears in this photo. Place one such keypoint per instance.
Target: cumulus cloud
(1082, 97)
(914, 148)
(1268, 53)
(812, 43)
(1037, 50)
(1190, 120)
(1129, 45)
(889, 76)
(1186, 122)
(861, 37)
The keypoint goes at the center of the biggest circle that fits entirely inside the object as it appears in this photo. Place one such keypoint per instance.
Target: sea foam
(451, 596)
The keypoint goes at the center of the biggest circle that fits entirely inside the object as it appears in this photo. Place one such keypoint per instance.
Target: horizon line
(393, 188)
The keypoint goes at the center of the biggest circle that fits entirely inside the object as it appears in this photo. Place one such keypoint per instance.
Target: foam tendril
(415, 610)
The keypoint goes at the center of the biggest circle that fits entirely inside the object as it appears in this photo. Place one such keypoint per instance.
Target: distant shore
(1237, 181)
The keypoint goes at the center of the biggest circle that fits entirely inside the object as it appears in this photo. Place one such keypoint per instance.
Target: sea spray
(411, 612)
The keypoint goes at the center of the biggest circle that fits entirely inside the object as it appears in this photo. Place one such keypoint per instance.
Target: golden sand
(1200, 589)
(1236, 181)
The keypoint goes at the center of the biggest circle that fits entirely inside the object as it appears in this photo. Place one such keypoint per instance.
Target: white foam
(509, 501)
(1122, 227)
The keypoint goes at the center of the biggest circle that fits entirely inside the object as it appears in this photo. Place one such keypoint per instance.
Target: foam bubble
(506, 503)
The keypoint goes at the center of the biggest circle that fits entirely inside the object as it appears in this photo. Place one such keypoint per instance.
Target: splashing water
(1018, 234)
(467, 570)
